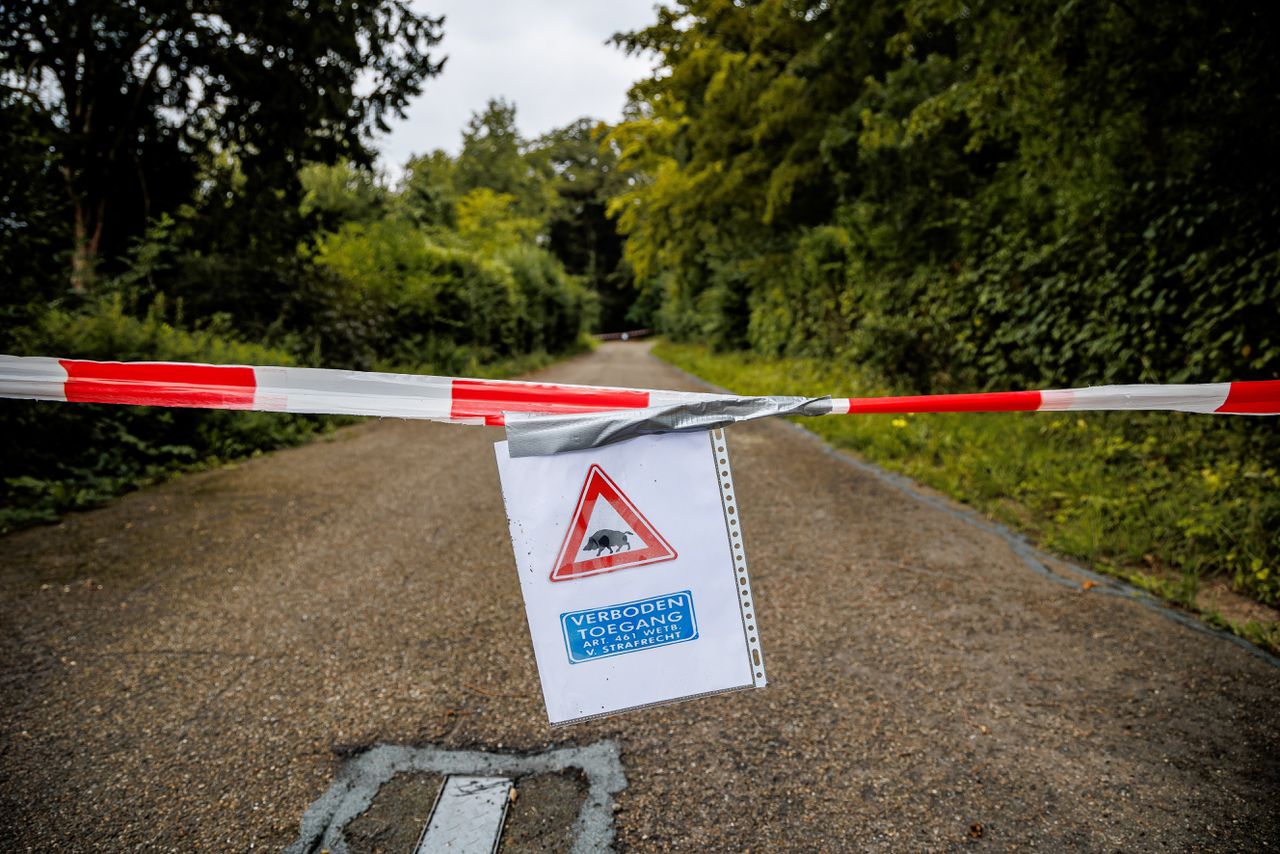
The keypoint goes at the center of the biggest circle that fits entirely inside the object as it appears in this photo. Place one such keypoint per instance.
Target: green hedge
(420, 301)
(71, 456)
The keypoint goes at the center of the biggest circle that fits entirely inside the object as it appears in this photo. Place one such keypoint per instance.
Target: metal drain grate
(468, 816)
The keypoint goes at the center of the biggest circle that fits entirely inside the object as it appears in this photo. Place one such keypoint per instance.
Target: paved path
(185, 669)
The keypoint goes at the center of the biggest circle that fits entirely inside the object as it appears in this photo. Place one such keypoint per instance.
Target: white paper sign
(633, 572)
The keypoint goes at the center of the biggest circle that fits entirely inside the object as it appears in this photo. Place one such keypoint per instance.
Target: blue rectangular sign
(629, 627)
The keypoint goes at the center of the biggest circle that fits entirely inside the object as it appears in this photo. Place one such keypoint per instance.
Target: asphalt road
(186, 668)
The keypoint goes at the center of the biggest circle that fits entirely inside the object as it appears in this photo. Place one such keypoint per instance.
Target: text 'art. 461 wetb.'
(634, 573)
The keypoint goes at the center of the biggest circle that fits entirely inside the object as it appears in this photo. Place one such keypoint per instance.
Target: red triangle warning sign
(607, 533)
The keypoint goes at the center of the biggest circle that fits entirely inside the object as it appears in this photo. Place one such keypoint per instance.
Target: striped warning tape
(1260, 397)
(312, 390)
(474, 401)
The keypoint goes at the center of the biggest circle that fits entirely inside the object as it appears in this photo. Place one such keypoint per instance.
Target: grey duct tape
(540, 435)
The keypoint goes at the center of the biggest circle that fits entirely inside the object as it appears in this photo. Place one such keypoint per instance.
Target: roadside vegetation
(913, 196)
(189, 195)
(443, 272)
(1177, 504)
(961, 196)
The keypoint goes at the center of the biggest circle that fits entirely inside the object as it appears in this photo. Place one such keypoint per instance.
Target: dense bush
(70, 456)
(555, 309)
(422, 302)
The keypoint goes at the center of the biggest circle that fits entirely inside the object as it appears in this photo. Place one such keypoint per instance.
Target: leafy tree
(503, 191)
(427, 193)
(127, 91)
(338, 193)
(729, 137)
(584, 175)
(33, 214)
(489, 220)
(493, 157)
(962, 194)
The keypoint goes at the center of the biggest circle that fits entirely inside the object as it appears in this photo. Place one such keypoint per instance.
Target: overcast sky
(548, 56)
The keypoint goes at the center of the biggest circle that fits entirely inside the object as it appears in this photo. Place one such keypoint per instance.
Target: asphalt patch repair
(542, 815)
(382, 800)
(395, 818)
(177, 668)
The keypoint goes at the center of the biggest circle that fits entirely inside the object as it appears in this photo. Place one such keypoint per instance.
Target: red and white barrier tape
(1260, 397)
(311, 390)
(474, 401)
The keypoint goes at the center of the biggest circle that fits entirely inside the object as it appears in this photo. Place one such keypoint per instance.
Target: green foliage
(208, 175)
(427, 194)
(340, 193)
(34, 214)
(493, 158)
(585, 175)
(807, 299)
(129, 90)
(505, 191)
(728, 135)
(555, 309)
(961, 196)
(1165, 500)
(421, 280)
(489, 219)
(449, 306)
(423, 302)
(944, 196)
(71, 456)
(378, 295)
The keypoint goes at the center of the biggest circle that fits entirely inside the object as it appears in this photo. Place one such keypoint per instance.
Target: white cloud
(549, 57)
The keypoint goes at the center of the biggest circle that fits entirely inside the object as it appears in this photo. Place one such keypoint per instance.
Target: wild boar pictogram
(604, 539)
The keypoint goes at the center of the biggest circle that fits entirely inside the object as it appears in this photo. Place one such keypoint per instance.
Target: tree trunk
(81, 258)
(87, 234)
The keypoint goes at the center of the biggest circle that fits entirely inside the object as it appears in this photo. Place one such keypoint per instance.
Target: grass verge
(1184, 506)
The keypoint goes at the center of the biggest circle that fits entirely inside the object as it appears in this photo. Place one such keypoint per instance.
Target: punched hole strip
(746, 603)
